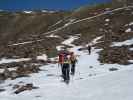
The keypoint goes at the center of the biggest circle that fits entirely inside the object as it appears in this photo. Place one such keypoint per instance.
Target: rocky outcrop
(19, 69)
(119, 55)
(21, 88)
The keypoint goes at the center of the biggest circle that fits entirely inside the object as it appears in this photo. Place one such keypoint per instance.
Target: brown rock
(24, 88)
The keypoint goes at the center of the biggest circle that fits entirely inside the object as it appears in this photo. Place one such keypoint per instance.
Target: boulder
(24, 88)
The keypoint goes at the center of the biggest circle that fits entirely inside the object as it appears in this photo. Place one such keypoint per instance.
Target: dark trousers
(89, 51)
(72, 68)
(66, 70)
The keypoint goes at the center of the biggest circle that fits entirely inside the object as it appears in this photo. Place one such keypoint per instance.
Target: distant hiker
(89, 49)
(66, 68)
(73, 62)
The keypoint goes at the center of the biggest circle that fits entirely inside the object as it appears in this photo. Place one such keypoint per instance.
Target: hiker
(61, 61)
(73, 62)
(66, 68)
(89, 49)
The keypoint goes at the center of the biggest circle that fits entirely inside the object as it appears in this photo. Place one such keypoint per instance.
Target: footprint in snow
(79, 78)
(50, 75)
(113, 69)
(92, 75)
(38, 96)
(90, 67)
(53, 75)
(52, 66)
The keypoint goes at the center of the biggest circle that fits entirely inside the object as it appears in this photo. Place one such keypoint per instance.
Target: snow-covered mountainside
(30, 43)
(91, 81)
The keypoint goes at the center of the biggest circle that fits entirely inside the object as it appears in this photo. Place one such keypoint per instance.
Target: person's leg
(89, 51)
(67, 75)
(62, 69)
(73, 68)
(64, 72)
(68, 71)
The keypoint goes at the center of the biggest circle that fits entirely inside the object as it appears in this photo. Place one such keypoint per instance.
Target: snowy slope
(92, 81)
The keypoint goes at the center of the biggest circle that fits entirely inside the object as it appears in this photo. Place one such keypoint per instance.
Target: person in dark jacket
(89, 49)
(66, 69)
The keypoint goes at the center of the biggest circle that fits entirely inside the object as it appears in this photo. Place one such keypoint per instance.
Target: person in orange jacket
(73, 62)
(61, 60)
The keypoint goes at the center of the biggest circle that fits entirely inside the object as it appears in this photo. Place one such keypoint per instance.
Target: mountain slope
(31, 41)
(88, 83)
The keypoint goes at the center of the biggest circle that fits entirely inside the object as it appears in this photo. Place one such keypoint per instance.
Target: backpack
(73, 58)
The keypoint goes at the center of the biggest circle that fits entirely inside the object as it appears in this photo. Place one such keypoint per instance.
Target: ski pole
(58, 70)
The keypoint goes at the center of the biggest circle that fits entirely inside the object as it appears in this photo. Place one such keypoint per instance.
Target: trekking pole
(58, 70)
(58, 64)
(72, 78)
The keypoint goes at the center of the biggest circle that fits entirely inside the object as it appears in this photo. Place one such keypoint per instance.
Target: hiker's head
(71, 53)
(66, 58)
